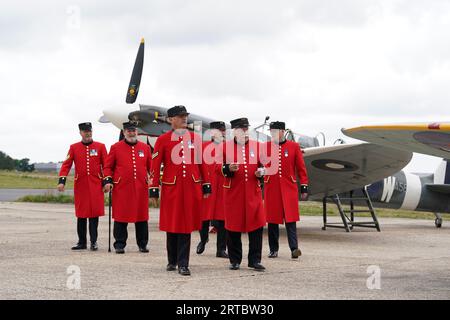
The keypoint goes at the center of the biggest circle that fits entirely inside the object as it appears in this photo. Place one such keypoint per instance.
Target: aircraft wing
(427, 138)
(345, 167)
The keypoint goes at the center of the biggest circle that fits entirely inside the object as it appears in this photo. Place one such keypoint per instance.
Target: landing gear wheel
(438, 222)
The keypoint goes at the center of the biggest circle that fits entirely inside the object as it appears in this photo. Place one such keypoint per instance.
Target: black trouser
(81, 230)
(274, 234)
(178, 247)
(221, 233)
(121, 234)
(254, 246)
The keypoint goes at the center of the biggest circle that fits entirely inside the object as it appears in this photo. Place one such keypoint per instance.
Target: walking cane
(109, 230)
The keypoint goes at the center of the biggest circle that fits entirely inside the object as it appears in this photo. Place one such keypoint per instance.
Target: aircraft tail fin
(447, 173)
(442, 173)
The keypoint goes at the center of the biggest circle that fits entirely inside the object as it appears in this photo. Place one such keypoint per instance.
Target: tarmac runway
(409, 259)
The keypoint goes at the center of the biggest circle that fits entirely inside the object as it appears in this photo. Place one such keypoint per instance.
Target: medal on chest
(141, 154)
(93, 152)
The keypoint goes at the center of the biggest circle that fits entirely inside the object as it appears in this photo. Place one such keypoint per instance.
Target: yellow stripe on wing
(404, 127)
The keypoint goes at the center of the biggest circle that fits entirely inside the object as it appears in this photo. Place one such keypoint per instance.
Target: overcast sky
(320, 65)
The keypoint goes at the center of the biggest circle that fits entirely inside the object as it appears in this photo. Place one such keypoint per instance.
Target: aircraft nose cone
(116, 116)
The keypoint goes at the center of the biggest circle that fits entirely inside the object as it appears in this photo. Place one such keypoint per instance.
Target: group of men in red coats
(216, 183)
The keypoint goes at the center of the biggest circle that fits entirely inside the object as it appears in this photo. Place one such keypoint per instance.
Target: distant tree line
(8, 163)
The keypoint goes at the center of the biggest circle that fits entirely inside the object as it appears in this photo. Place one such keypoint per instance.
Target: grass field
(54, 197)
(19, 180)
(47, 198)
(308, 208)
(30, 180)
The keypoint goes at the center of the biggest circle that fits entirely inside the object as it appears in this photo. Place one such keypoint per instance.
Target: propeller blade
(135, 81)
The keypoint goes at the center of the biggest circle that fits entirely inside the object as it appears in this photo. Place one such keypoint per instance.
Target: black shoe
(94, 246)
(143, 249)
(120, 251)
(79, 246)
(184, 271)
(257, 266)
(273, 254)
(296, 253)
(201, 247)
(234, 266)
(222, 254)
(171, 267)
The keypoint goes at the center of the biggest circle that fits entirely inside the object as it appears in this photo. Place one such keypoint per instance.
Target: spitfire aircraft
(332, 169)
(419, 192)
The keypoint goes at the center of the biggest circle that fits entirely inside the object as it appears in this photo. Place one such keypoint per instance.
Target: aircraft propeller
(135, 81)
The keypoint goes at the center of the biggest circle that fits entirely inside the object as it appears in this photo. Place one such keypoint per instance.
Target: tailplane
(442, 173)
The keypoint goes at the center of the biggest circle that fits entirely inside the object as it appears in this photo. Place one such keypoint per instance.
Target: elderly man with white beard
(127, 168)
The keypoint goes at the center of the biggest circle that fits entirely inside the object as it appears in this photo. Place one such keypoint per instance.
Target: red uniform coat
(128, 166)
(213, 206)
(181, 181)
(89, 160)
(280, 182)
(242, 192)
